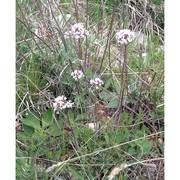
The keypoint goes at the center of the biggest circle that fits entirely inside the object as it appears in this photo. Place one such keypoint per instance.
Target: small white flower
(69, 104)
(55, 106)
(77, 31)
(60, 98)
(97, 83)
(93, 126)
(61, 103)
(66, 35)
(144, 55)
(125, 36)
(77, 74)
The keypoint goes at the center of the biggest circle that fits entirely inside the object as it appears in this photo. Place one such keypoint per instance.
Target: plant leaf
(117, 87)
(47, 118)
(28, 130)
(113, 103)
(32, 121)
(54, 130)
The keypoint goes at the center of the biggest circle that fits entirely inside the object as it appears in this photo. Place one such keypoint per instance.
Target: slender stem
(110, 65)
(126, 78)
(109, 35)
(75, 141)
(79, 49)
(76, 10)
(44, 21)
(121, 96)
(123, 12)
(85, 58)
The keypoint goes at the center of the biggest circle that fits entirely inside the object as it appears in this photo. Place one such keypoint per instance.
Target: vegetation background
(64, 145)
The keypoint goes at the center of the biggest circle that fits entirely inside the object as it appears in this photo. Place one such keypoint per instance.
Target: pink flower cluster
(77, 74)
(97, 83)
(125, 36)
(77, 31)
(62, 103)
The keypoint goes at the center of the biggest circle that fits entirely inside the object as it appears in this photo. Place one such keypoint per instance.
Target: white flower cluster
(62, 103)
(77, 74)
(77, 31)
(125, 36)
(97, 83)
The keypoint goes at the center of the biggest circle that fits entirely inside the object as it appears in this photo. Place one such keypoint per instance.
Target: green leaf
(28, 130)
(70, 115)
(106, 96)
(145, 146)
(106, 138)
(113, 103)
(139, 117)
(76, 172)
(108, 83)
(83, 134)
(132, 151)
(80, 117)
(120, 136)
(47, 118)
(130, 118)
(54, 130)
(117, 87)
(124, 118)
(32, 121)
(126, 134)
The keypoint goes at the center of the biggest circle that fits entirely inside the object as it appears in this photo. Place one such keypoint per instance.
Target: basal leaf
(117, 87)
(28, 130)
(54, 130)
(113, 103)
(47, 118)
(32, 121)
